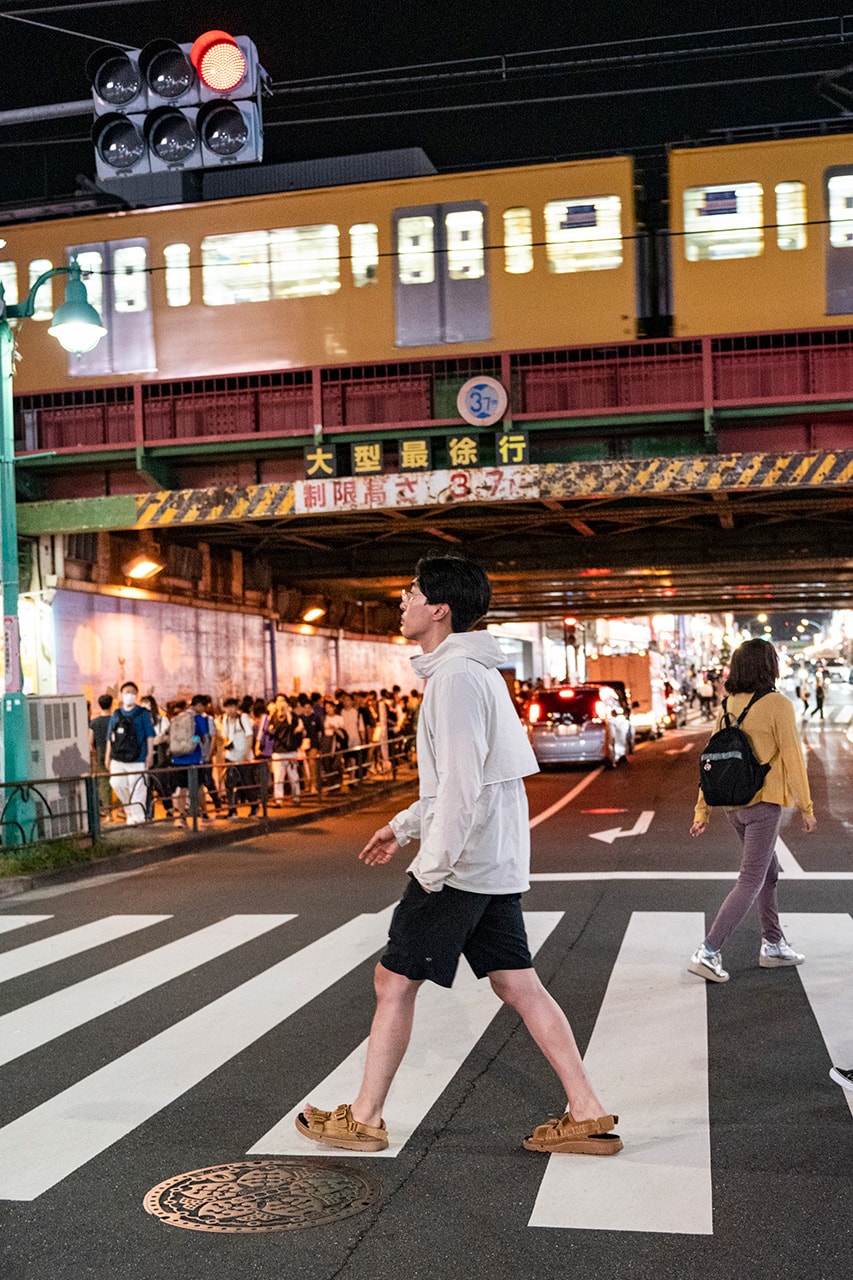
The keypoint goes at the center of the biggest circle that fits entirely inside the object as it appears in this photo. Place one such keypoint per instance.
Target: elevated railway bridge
(687, 475)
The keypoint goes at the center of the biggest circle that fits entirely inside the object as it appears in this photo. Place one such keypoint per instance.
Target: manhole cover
(262, 1195)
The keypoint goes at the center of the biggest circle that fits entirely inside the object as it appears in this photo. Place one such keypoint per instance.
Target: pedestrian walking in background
(771, 728)
(465, 883)
(820, 695)
(99, 727)
(803, 694)
(130, 753)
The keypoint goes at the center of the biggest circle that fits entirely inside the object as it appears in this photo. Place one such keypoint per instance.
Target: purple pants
(757, 828)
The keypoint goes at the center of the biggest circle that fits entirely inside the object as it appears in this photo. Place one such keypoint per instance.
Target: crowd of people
(242, 751)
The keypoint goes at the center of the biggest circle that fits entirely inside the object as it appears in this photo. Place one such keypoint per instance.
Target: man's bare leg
(523, 991)
(390, 1033)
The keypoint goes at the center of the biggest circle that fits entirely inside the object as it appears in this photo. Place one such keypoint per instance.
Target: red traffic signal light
(218, 61)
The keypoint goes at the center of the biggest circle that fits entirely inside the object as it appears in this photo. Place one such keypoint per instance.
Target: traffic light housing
(169, 106)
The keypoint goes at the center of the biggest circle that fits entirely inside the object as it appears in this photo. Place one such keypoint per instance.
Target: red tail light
(600, 710)
(534, 712)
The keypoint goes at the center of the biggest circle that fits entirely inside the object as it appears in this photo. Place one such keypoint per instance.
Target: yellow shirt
(771, 727)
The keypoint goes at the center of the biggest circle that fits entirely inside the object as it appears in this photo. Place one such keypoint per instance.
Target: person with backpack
(189, 736)
(130, 753)
(237, 732)
(762, 750)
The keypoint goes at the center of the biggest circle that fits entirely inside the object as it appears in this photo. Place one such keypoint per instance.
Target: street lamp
(78, 328)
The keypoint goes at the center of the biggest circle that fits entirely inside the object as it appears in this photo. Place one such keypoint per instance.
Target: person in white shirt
(466, 881)
(237, 732)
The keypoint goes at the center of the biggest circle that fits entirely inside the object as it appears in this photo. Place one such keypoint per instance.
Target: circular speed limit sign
(482, 401)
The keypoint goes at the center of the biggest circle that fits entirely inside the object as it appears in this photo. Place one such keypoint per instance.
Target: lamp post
(78, 328)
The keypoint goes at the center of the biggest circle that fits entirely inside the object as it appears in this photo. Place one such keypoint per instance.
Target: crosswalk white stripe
(448, 1025)
(787, 861)
(35, 955)
(48, 1143)
(842, 715)
(8, 923)
(37, 1023)
(827, 942)
(648, 1058)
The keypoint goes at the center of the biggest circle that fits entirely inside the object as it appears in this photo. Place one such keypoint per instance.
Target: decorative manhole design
(262, 1195)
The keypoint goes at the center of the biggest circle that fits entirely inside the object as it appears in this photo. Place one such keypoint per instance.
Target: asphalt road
(170, 1020)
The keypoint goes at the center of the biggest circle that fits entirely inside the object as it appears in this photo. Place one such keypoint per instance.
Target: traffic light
(172, 106)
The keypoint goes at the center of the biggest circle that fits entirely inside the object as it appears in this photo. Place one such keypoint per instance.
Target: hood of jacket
(480, 646)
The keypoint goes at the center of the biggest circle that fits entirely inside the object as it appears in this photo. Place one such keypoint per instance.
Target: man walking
(463, 897)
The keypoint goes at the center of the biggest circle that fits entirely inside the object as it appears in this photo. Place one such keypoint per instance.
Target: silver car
(579, 724)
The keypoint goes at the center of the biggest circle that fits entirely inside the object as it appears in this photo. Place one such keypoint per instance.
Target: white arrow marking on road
(679, 751)
(639, 828)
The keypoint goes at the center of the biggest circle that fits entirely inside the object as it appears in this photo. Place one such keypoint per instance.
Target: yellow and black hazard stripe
(213, 506)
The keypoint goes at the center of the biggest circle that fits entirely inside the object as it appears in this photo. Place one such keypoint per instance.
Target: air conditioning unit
(59, 754)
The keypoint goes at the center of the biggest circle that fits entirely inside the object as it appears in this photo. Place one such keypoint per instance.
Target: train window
(235, 268)
(129, 284)
(9, 281)
(791, 215)
(44, 298)
(464, 230)
(518, 241)
(177, 274)
(584, 235)
(364, 253)
(415, 244)
(841, 211)
(305, 261)
(723, 222)
(90, 263)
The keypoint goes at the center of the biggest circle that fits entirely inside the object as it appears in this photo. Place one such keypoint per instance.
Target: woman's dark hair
(259, 707)
(155, 710)
(754, 668)
(458, 583)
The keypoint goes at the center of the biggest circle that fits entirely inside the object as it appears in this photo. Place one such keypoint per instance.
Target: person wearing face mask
(130, 753)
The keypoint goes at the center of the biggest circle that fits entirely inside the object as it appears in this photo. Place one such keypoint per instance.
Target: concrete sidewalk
(131, 847)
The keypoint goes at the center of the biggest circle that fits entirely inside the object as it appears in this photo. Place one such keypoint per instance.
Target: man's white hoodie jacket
(471, 817)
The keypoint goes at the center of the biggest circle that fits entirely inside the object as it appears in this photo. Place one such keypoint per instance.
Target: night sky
(634, 110)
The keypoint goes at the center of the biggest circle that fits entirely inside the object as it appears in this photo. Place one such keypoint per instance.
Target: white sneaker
(773, 955)
(708, 965)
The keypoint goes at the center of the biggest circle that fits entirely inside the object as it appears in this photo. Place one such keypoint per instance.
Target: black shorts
(430, 931)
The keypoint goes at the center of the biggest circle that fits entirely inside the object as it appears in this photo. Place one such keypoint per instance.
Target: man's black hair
(105, 701)
(129, 684)
(456, 582)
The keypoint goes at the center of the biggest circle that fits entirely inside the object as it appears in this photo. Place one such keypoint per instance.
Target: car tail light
(566, 693)
(600, 710)
(534, 712)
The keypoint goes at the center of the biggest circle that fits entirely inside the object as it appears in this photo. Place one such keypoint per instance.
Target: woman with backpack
(771, 728)
(159, 777)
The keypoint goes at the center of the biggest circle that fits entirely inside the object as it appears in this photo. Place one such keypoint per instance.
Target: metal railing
(49, 809)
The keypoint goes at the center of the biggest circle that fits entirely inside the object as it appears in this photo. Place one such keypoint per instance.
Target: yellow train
(757, 237)
(429, 267)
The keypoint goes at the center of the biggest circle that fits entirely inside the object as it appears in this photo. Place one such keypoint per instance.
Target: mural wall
(177, 650)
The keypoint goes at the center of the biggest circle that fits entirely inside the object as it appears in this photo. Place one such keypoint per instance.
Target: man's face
(414, 611)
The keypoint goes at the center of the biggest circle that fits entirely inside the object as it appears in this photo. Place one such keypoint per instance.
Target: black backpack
(126, 744)
(729, 773)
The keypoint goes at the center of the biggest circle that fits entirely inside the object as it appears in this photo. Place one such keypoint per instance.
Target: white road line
(648, 1057)
(787, 861)
(8, 923)
(47, 1144)
(546, 876)
(843, 715)
(566, 799)
(35, 955)
(42, 1021)
(448, 1025)
(827, 942)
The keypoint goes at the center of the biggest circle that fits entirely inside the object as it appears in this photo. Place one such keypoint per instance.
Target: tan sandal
(576, 1137)
(339, 1129)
